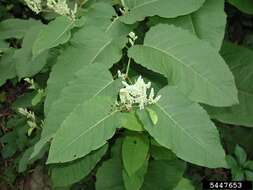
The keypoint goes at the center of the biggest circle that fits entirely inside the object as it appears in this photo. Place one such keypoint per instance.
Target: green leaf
(153, 116)
(130, 121)
(75, 138)
(245, 6)
(240, 61)
(92, 46)
(163, 174)
(134, 153)
(69, 173)
(26, 64)
(192, 65)
(135, 181)
(57, 32)
(208, 23)
(7, 66)
(184, 184)
(249, 165)
(232, 163)
(185, 128)
(240, 154)
(15, 28)
(102, 13)
(86, 85)
(138, 10)
(249, 175)
(109, 176)
(161, 153)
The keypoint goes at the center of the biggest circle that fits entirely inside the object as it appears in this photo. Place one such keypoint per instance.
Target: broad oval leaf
(134, 153)
(91, 45)
(109, 176)
(86, 129)
(105, 17)
(191, 64)
(185, 128)
(15, 28)
(57, 32)
(139, 9)
(69, 173)
(208, 23)
(240, 61)
(101, 49)
(163, 174)
(135, 181)
(26, 64)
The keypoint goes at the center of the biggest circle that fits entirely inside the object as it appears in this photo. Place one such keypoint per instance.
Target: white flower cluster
(58, 6)
(34, 5)
(61, 7)
(137, 94)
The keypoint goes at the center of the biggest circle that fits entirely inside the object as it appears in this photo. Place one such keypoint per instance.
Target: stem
(128, 66)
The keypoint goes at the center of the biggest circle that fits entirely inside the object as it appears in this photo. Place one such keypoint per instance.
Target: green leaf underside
(193, 65)
(185, 128)
(84, 130)
(139, 9)
(163, 174)
(69, 173)
(208, 23)
(26, 64)
(134, 153)
(57, 32)
(240, 61)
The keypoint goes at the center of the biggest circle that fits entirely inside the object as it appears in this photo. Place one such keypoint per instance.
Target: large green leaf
(56, 32)
(130, 121)
(15, 28)
(105, 17)
(86, 129)
(109, 176)
(7, 66)
(208, 23)
(163, 174)
(135, 181)
(193, 65)
(69, 173)
(185, 128)
(139, 9)
(240, 61)
(26, 64)
(134, 153)
(86, 85)
(245, 6)
(92, 45)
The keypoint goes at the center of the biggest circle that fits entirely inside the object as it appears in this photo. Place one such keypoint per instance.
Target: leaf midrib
(86, 131)
(185, 65)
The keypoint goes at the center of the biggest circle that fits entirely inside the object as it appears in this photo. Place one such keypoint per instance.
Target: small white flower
(137, 94)
(34, 5)
(61, 7)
